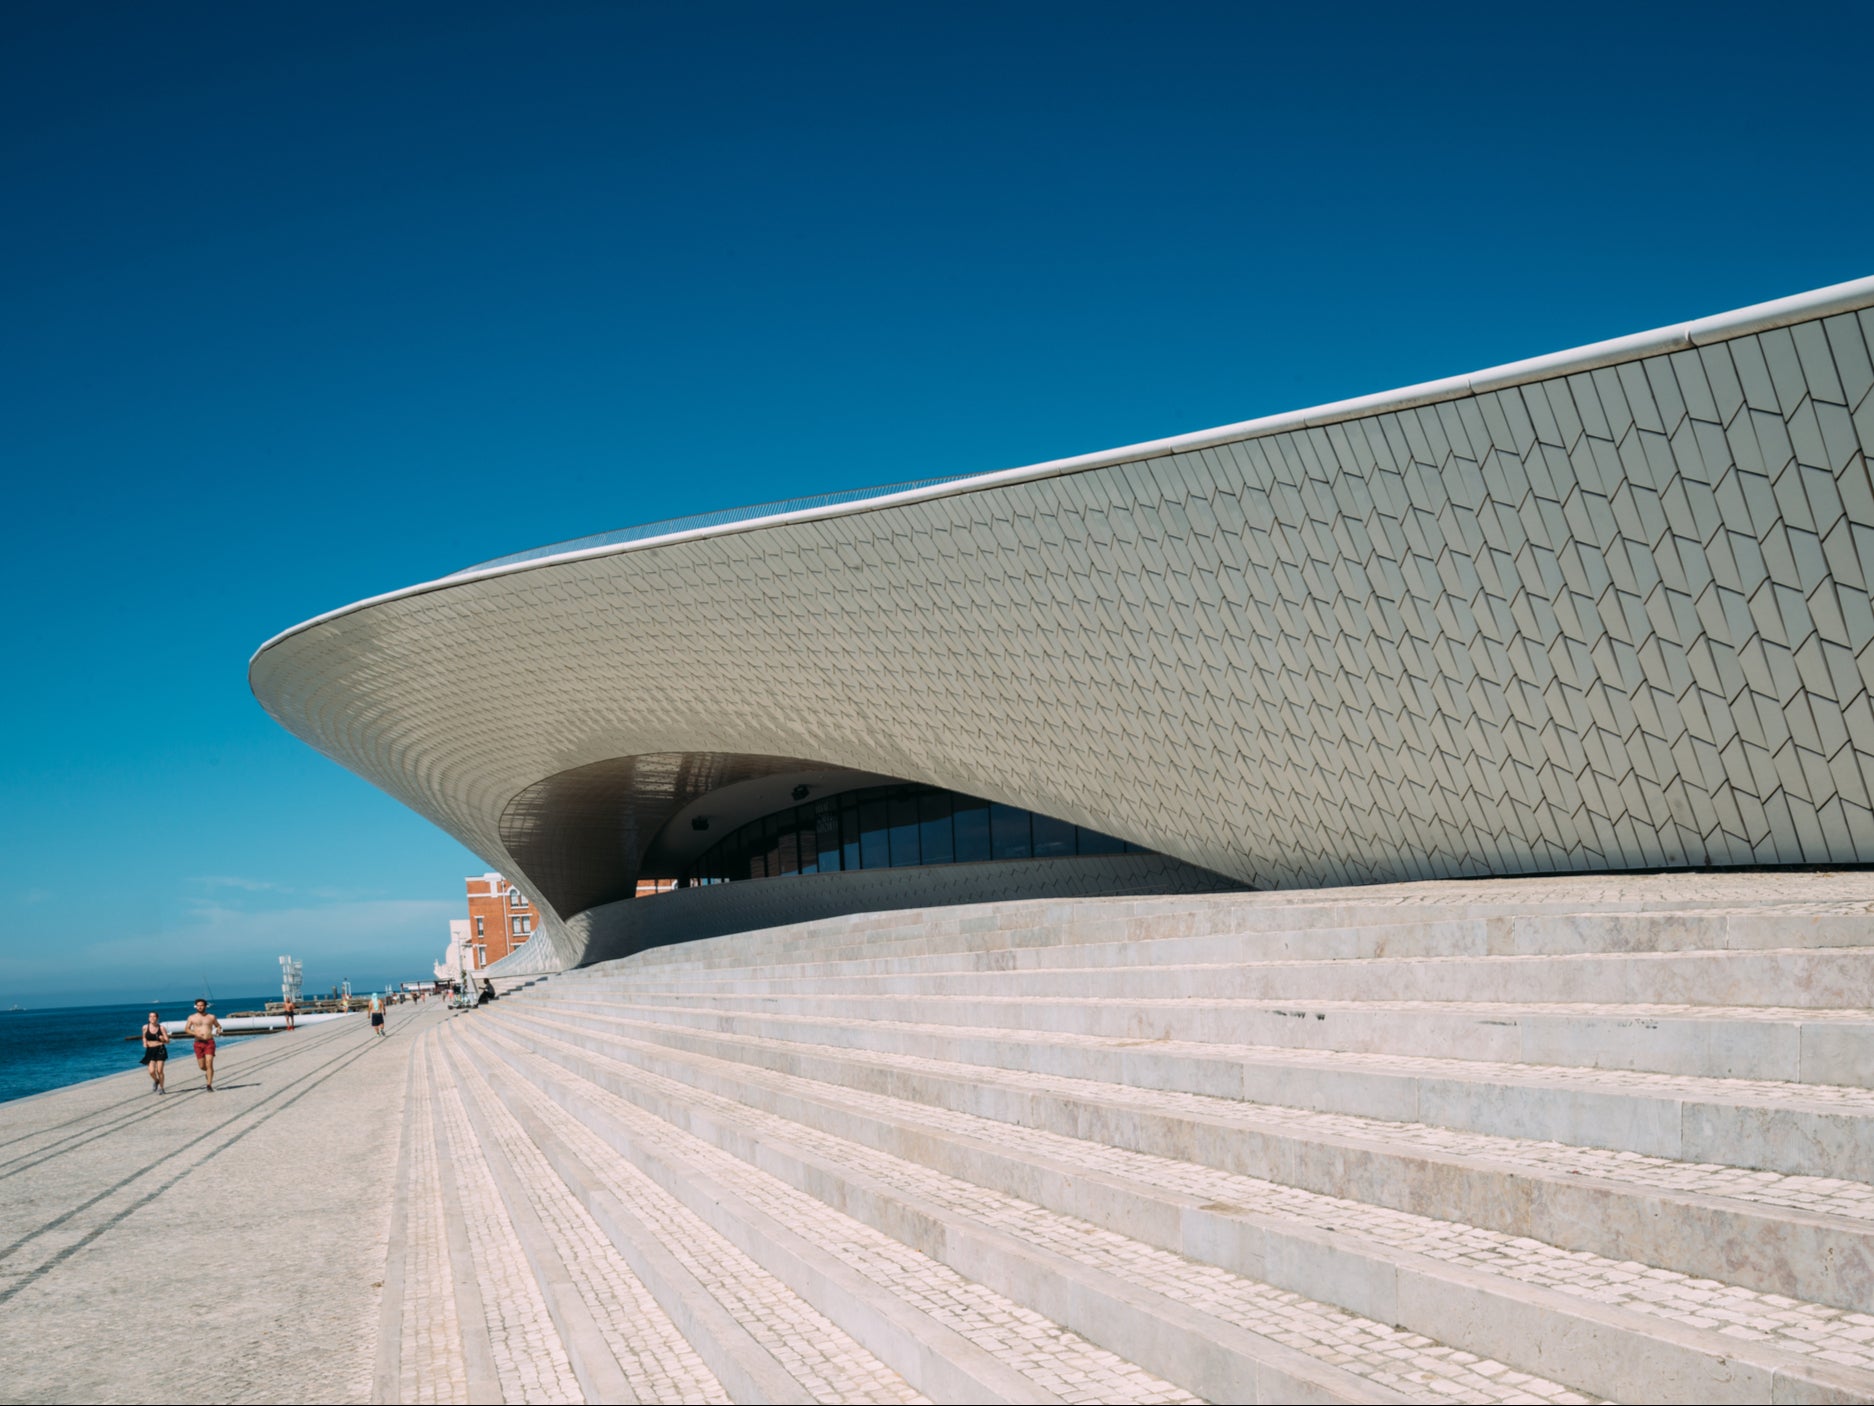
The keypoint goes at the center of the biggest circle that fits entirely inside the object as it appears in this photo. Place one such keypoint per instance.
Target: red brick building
(500, 918)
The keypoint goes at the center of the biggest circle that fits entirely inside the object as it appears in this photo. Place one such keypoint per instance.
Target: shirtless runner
(203, 1027)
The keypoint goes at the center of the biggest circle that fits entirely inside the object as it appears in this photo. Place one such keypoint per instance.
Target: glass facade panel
(1009, 832)
(1053, 837)
(875, 834)
(934, 838)
(891, 827)
(972, 830)
(826, 835)
(904, 845)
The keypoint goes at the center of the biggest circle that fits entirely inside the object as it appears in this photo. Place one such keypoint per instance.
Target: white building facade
(1602, 610)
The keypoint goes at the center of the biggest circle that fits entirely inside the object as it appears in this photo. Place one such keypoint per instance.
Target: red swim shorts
(204, 1049)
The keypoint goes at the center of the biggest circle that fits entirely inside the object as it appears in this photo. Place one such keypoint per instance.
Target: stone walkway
(195, 1246)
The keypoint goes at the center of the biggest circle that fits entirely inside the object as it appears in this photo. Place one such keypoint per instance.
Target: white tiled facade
(1611, 612)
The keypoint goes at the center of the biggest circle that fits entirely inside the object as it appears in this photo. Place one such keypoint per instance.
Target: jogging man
(377, 1015)
(203, 1027)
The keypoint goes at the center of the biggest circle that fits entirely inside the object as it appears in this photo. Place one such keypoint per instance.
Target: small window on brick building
(478, 928)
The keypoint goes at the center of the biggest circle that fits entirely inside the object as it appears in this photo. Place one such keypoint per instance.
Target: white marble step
(1560, 914)
(620, 1345)
(807, 951)
(1805, 1237)
(511, 1344)
(1804, 1129)
(951, 1338)
(1654, 1333)
(1220, 1335)
(1782, 1044)
(754, 1335)
(1827, 979)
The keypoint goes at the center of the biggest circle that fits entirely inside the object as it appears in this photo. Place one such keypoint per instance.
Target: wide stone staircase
(1536, 1140)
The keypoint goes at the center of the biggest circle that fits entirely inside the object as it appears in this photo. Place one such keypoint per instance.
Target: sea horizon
(53, 1047)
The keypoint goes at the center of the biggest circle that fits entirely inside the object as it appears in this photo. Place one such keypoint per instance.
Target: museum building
(1607, 609)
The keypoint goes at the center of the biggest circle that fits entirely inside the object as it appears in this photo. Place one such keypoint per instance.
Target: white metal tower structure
(291, 972)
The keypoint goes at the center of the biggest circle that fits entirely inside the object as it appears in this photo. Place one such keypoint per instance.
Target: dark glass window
(904, 846)
(933, 821)
(808, 841)
(1008, 832)
(874, 834)
(892, 826)
(826, 836)
(1052, 837)
(972, 830)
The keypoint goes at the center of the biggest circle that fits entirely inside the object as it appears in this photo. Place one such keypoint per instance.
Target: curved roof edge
(1759, 317)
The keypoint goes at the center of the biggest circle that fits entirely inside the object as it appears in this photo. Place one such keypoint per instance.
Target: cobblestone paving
(256, 1216)
(816, 1353)
(430, 1361)
(529, 1356)
(1388, 1357)
(1805, 1329)
(1062, 1362)
(658, 1362)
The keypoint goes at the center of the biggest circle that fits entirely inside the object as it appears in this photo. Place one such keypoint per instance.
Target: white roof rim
(1851, 296)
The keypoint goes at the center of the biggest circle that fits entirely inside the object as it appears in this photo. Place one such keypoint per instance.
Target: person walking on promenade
(377, 1015)
(203, 1028)
(290, 1010)
(155, 1050)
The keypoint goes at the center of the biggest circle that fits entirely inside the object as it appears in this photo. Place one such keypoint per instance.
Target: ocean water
(48, 1049)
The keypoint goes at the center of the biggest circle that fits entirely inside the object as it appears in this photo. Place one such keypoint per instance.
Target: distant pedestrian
(377, 1015)
(155, 1050)
(203, 1028)
(290, 1009)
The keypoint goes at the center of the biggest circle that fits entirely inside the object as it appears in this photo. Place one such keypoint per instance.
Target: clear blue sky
(305, 302)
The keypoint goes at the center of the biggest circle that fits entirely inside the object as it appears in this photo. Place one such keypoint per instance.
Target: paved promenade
(196, 1246)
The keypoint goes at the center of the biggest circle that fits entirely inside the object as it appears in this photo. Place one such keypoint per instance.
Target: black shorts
(153, 1054)
(377, 1017)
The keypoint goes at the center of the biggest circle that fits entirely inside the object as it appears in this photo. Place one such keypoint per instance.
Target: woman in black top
(155, 1050)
